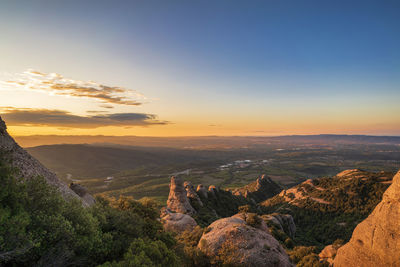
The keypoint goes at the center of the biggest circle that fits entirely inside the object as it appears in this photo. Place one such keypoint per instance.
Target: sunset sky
(186, 68)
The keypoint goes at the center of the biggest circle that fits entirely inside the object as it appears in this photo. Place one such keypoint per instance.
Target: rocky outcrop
(28, 166)
(202, 191)
(328, 254)
(261, 189)
(177, 199)
(82, 192)
(212, 190)
(353, 173)
(284, 222)
(177, 222)
(191, 194)
(232, 240)
(376, 240)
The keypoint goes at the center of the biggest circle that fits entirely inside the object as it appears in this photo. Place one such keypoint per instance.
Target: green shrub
(38, 227)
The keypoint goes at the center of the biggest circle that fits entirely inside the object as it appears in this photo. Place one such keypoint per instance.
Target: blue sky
(275, 67)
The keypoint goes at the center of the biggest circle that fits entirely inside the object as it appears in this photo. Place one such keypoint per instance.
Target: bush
(312, 260)
(298, 253)
(147, 253)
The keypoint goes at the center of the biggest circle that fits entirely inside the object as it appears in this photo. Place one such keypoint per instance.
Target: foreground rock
(177, 222)
(28, 166)
(177, 199)
(233, 240)
(376, 240)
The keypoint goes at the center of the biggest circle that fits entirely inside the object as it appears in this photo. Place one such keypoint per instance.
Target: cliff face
(28, 166)
(376, 240)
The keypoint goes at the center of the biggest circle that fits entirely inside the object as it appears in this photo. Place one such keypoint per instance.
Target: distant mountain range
(204, 142)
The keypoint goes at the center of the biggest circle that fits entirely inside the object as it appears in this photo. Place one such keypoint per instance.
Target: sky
(191, 68)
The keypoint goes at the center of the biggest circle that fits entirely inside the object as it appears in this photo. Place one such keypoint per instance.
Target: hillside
(326, 209)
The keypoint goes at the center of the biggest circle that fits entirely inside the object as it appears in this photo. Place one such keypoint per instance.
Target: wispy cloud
(54, 83)
(59, 118)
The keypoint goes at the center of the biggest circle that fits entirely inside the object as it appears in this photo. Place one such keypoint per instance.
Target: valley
(140, 171)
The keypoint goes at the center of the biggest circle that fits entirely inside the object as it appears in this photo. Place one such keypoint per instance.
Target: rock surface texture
(28, 166)
(177, 199)
(233, 241)
(376, 240)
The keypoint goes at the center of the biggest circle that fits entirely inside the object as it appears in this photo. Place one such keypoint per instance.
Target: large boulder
(376, 240)
(177, 199)
(238, 240)
(177, 222)
(28, 166)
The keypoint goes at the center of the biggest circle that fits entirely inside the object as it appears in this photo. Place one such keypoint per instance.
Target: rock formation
(177, 199)
(284, 222)
(191, 194)
(233, 241)
(328, 254)
(177, 222)
(259, 190)
(202, 191)
(28, 166)
(376, 240)
(350, 173)
(212, 190)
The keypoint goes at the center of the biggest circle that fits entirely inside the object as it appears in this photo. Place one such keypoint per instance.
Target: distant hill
(86, 161)
(205, 142)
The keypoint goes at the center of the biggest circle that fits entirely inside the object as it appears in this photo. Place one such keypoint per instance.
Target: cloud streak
(54, 83)
(63, 119)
